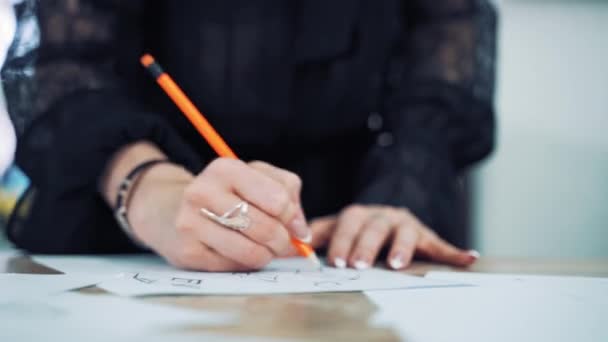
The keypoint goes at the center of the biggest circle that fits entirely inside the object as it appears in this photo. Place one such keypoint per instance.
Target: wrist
(123, 162)
(158, 177)
(157, 190)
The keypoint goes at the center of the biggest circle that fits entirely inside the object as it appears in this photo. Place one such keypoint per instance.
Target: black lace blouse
(369, 101)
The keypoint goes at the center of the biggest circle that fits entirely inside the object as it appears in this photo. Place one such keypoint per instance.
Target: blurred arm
(439, 109)
(86, 106)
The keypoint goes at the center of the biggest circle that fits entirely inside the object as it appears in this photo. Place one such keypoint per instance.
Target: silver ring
(235, 218)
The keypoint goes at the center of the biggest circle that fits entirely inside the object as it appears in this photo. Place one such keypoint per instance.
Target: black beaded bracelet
(124, 190)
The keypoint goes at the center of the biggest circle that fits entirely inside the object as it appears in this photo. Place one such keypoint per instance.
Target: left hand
(358, 233)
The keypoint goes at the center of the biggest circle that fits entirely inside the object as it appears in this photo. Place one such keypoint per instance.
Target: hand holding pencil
(285, 207)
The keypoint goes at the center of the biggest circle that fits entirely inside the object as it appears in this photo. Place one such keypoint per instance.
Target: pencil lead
(315, 259)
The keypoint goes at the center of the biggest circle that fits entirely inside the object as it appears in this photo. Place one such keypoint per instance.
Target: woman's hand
(165, 214)
(358, 233)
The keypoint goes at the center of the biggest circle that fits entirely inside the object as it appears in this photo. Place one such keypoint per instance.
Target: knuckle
(294, 181)
(353, 210)
(279, 201)
(402, 214)
(404, 211)
(257, 164)
(220, 165)
(192, 195)
(215, 165)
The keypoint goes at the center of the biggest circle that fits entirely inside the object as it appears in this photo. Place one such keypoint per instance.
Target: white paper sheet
(590, 289)
(499, 308)
(149, 275)
(22, 286)
(82, 317)
(104, 265)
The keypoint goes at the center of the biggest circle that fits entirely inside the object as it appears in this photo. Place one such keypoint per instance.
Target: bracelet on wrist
(124, 193)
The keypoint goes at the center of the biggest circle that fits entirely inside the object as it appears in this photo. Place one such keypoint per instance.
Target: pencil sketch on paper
(323, 278)
(280, 276)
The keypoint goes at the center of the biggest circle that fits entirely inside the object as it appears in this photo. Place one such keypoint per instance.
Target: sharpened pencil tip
(315, 259)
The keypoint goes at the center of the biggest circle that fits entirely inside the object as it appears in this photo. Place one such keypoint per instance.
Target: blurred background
(544, 192)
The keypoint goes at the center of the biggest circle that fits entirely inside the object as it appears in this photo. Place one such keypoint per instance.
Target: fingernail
(361, 265)
(475, 254)
(340, 263)
(301, 230)
(396, 262)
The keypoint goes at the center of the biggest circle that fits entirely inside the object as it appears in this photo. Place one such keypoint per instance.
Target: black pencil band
(155, 70)
(123, 196)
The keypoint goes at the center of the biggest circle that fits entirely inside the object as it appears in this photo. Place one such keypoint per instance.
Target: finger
(225, 241)
(438, 249)
(290, 180)
(293, 184)
(198, 257)
(263, 229)
(322, 229)
(403, 246)
(372, 237)
(259, 190)
(350, 223)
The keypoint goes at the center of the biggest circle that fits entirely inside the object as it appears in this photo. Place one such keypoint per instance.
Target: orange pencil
(203, 126)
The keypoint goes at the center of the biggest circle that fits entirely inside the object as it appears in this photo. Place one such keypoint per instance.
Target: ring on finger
(235, 218)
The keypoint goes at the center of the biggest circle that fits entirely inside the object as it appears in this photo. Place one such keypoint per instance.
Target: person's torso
(289, 82)
(289, 73)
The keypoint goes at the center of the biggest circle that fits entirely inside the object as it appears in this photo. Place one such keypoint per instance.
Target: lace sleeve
(450, 48)
(75, 108)
(439, 110)
(17, 73)
(78, 43)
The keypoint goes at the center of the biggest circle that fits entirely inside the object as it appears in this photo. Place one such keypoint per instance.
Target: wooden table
(326, 316)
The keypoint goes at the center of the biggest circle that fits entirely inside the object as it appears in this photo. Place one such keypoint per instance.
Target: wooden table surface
(324, 316)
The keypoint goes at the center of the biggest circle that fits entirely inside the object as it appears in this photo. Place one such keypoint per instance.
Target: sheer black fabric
(369, 101)
(16, 74)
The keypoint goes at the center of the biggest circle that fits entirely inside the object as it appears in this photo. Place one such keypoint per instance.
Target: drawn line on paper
(141, 279)
(324, 278)
(185, 282)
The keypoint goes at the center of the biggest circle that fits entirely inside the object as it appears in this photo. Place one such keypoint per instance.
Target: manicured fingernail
(340, 263)
(361, 265)
(396, 262)
(301, 230)
(475, 254)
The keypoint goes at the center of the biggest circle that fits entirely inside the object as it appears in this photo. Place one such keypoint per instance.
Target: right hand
(165, 214)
